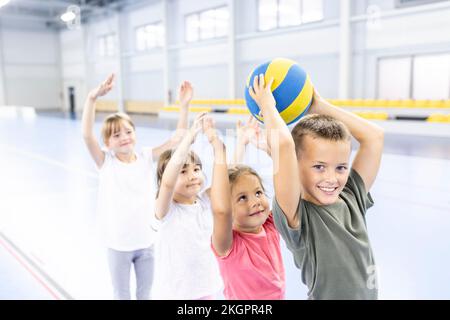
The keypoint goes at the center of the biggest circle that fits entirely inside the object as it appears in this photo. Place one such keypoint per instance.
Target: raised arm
(173, 168)
(285, 167)
(88, 120)
(220, 193)
(369, 135)
(185, 94)
(244, 134)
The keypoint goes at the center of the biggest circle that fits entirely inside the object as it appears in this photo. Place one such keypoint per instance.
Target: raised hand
(261, 93)
(103, 88)
(259, 140)
(197, 126)
(316, 102)
(209, 129)
(246, 132)
(185, 93)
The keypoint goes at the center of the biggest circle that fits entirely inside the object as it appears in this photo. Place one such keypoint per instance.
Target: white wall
(2, 72)
(142, 72)
(74, 72)
(38, 79)
(31, 68)
(425, 28)
(399, 32)
(100, 67)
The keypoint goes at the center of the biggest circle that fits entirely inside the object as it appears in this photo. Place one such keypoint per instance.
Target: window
(431, 79)
(394, 78)
(422, 77)
(289, 13)
(267, 13)
(404, 3)
(284, 13)
(106, 47)
(208, 24)
(149, 36)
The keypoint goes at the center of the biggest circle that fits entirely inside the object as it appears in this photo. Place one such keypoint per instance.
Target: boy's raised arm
(369, 135)
(88, 120)
(286, 175)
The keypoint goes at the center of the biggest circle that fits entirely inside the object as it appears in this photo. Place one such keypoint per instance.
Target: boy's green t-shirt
(331, 247)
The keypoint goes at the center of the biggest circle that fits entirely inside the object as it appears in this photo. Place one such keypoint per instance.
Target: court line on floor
(39, 157)
(13, 248)
(36, 272)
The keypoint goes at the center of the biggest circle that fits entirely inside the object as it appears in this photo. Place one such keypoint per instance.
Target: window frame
(148, 48)
(413, 3)
(199, 29)
(278, 26)
(104, 38)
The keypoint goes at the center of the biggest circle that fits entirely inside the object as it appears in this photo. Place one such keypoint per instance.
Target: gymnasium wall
(70, 58)
(421, 30)
(30, 66)
(74, 69)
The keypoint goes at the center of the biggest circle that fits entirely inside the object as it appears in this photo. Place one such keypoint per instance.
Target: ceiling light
(3, 3)
(67, 16)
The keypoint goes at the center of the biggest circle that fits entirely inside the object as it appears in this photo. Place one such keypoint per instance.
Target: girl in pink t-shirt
(245, 240)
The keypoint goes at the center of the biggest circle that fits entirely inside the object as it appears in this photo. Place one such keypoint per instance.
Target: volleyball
(291, 88)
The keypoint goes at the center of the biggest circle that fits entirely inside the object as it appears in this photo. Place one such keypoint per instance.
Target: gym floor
(48, 241)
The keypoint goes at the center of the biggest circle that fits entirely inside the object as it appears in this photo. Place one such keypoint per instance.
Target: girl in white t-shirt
(126, 193)
(186, 268)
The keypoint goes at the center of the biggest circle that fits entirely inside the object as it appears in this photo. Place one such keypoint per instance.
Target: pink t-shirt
(253, 269)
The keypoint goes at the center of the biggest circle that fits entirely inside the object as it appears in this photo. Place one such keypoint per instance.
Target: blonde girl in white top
(126, 193)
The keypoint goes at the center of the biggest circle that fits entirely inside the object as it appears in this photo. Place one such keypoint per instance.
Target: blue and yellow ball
(291, 88)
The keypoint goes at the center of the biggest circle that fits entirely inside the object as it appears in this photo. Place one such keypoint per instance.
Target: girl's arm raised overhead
(173, 168)
(185, 95)
(88, 120)
(282, 148)
(222, 238)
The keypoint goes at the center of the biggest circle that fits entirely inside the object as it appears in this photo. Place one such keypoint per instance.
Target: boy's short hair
(112, 123)
(319, 126)
(164, 159)
(237, 171)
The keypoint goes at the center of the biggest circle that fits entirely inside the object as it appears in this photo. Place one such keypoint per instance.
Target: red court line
(49, 290)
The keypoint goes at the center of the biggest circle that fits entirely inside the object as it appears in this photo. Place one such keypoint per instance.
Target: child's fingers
(269, 85)
(251, 92)
(201, 115)
(261, 81)
(256, 84)
(110, 79)
(198, 122)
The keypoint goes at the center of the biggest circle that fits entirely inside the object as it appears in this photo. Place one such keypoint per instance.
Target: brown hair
(112, 124)
(239, 170)
(319, 126)
(164, 159)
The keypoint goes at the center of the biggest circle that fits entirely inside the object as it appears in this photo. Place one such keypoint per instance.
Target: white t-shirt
(125, 204)
(185, 266)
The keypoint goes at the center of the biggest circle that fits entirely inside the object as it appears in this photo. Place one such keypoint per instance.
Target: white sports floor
(48, 243)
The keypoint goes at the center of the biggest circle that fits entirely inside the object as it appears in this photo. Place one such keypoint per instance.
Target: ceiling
(49, 11)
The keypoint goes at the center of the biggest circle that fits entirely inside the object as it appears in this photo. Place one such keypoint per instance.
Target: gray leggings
(120, 264)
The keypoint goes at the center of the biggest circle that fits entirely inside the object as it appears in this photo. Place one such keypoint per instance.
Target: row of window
(420, 77)
(214, 23)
